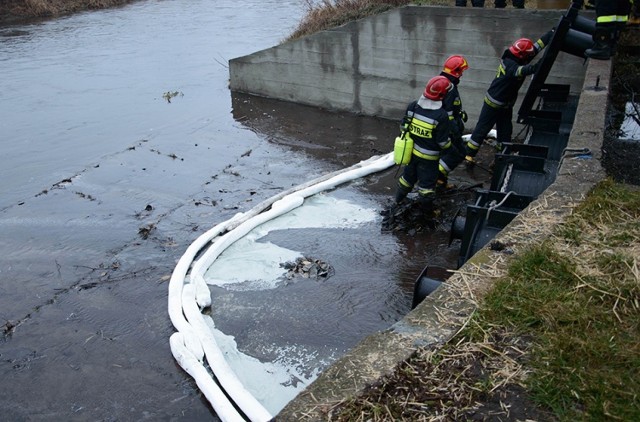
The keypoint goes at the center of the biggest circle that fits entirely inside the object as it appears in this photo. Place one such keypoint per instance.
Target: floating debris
(144, 232)
(409, 217)
(307, 268)
(171, 94)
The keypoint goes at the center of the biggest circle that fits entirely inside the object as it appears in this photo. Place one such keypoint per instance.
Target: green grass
(557, 337)
(577, 297)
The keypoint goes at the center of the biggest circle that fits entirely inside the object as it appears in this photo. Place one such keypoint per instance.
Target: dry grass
(325, 14)
(49, 8)
(558, 338)
(466, 380)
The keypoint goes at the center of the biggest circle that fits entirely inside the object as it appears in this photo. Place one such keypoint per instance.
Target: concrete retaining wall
(376, 66)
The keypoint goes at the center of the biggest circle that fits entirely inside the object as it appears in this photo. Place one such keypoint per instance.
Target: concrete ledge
(374, 66)
(440, 316)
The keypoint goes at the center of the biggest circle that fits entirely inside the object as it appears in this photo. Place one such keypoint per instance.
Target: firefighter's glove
(536, 66)
(463, 116)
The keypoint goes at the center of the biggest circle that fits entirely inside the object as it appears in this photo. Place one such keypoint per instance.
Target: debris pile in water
(409, 217)
(307, 268)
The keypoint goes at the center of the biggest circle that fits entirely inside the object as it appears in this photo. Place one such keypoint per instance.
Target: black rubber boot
(599, 51)
(443, 185)
(427, 213)
(401, 193)
(603, 38)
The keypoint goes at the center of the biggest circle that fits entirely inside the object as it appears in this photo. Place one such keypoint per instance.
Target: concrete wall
(376, 66)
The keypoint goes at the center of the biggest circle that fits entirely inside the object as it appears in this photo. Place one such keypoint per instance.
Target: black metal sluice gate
(522, 171)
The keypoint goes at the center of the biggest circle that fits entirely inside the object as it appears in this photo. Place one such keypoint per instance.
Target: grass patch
(49, 8)
(557, 338)
(325, 14)
(577, 297)
(586, 359)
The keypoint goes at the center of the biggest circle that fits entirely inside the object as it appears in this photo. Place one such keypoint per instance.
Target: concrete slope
(375, 66)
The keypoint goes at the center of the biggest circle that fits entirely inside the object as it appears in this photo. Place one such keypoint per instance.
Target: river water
(121, 144)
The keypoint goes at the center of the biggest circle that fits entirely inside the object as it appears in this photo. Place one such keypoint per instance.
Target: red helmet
(437, 88)
(523, 48)
(455, 65)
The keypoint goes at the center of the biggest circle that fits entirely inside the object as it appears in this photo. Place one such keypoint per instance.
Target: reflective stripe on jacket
(429, 129)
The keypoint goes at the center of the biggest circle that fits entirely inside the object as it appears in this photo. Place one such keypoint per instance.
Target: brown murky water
(106, 183)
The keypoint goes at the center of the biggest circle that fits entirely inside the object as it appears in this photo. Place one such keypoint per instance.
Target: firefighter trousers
(490, 116)
(421, 171)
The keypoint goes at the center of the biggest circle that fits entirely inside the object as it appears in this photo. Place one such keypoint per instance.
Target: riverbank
(556, 338)
(13, 11)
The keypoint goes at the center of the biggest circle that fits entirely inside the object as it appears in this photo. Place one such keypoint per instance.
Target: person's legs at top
(622, 18)
(608, 23)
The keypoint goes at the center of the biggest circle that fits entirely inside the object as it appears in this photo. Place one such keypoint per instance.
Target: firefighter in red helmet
(428, 125)
(452, 69)
(502, 94)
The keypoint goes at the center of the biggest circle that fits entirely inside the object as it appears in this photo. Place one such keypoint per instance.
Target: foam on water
(252, 265)
(275, 383)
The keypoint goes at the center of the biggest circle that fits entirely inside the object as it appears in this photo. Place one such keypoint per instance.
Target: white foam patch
(630, 127)
(249, 265)
(252, 265)
(274, 384)
(317, 212)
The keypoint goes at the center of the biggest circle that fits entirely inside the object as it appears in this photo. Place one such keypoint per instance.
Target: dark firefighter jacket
(503, 91)
(453, 105)
(429, 129)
